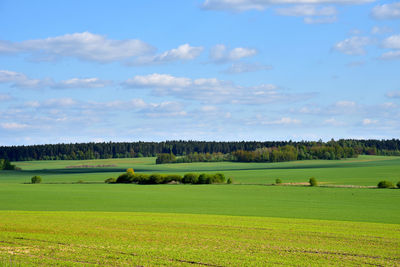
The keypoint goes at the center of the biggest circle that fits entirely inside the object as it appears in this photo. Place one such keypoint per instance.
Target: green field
(364, 170)
(251, 222)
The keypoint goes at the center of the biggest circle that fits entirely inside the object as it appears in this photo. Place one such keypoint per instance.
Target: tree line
(267, 154)
(81, 151)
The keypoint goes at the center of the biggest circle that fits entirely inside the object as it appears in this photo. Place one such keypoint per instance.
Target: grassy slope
(371, 205)
(146, 239)
(365, 170)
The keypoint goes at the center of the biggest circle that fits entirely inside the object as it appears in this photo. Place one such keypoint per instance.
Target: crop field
(249, 223)
(364, 170)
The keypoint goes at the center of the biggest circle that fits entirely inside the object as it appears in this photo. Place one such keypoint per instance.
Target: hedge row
(189, 178)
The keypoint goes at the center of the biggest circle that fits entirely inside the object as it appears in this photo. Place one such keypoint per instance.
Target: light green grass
(370, 205)
(151, 239)
(365, 170)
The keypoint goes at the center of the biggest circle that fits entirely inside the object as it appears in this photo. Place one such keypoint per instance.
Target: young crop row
(149, 239)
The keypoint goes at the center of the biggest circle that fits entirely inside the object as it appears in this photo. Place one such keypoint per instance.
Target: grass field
(62, 222)
(365, 170)
(143, 239)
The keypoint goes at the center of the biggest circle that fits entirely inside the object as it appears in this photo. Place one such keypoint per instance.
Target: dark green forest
(303, 149)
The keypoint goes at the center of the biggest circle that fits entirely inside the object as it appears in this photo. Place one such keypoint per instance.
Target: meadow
(251, 222)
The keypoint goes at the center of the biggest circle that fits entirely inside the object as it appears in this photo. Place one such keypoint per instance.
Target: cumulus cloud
(4, 97)
(352, 46)
(211, 89)
(386, 11)
(182, 52)
(20, 80)
(306, 10)
(84, 46)
(393, 94)
(392, 42)
(221, 54)
(13, 126)
(243, 5)
(369, 121)
(320, 20)
(246, 67)
(82, 83)
(380, 30)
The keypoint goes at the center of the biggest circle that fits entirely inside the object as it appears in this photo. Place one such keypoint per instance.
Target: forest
(105, 150)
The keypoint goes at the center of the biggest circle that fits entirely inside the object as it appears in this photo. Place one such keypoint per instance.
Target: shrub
(229, 181)
(130, 171)
(156, 179)
(204, 179)
(36, 179)
(313, 181)
(172, 177)
(278, 181)
(123, 179)
(398, 184)
(385, 184)
(219, 178)
(190, 178)
(80, 182)
(111, 180)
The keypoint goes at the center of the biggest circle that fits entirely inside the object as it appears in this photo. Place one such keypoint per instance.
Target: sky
(223, 70)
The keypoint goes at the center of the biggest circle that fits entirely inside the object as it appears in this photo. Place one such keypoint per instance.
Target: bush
(385, 184)
(190, 178)
(123, 179)
(313, 181)
(229, 181)
(172, 178)
(36, 179)
(130, 171)
(219, 178)
(156, 179)
(278, 181)
(111, 180)
(80, 182)
(398, 184)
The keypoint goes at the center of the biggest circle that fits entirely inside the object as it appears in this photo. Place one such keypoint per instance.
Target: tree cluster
(188, 149)
(189, 178)
(5, 164)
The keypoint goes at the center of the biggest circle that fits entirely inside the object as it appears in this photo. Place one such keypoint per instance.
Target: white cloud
(4, 97)
(333, 122)
(282, 121)
(306, 10)
(386, 11)
(84, 46)
(352, 46)
(182, 52)
(380, 30)
(243, 5)
(392, 42)
(13, 126)
(320, 20)
(211, 90)
(220, 53)
(369, 121)
(157, 80)
(246, 67)
(345, 104)
(82, 83)
(20, 80)
(393, 94)
(391, 55)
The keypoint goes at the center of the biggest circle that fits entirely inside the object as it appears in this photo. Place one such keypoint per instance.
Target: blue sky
(81, 71)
